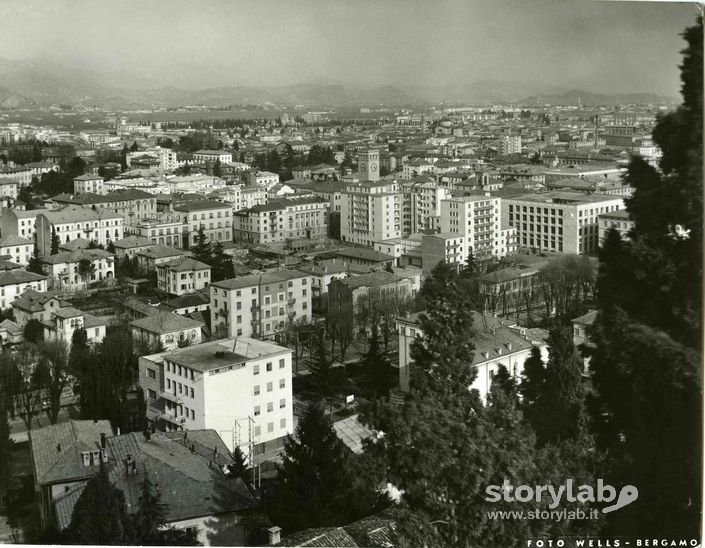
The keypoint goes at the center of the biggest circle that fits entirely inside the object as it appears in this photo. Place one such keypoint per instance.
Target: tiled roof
(14, 240)
(161, 251)
(379, 531)
(131, 241)
(373, 279)
(73, 245)
(586, 319)
(199, 205)
(74, 213)
(165, 322)
(363, 254)
(76, 256)
(9, 265)
(56, 449)
(12, 277)
(254, 279)
(193, 299)
(183, 264)
(191, 484)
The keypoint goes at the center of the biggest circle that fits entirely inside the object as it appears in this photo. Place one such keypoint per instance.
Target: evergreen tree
(646, 361)
(55, 242)
(377, 367)
(35, 264)
(239, 466)
(5, 440)
(201, 250)
(99, 516)
(146, 522)
(315, 486)
(532, 378)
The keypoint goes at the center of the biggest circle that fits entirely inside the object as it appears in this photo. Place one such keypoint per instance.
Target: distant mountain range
(43, 83)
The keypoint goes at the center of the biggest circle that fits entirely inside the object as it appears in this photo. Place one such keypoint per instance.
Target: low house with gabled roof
(64, 321)
(191, 471)
(14, 282)
(36, 305)
(63, 268)
(167, 330)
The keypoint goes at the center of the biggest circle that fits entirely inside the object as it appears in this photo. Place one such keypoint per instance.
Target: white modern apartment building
(509, 144)
(88, 183)
(212, 155)
(371, 212)
(421, 205)
(562, 221)
(239, 387)
(478, 220)
(259, 305)
(214, 217)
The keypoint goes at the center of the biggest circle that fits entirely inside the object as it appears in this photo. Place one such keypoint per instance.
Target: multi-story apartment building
(509, 144)
(14, 282)
(19, 222)
(202, 156)
(19, 249)
(166, 330)
(259, 305)
(252, 196)
(214, 217)
(562, 221)
(449, 247)
(264, 179)
(414, 168)
(240, 387)
(9, 188)
(619, 220)
(370, 212)
(183, 275)
(166, 157)
(72, 222)
(422, 202)
(279, 220)
(21, 174)
(88, 183)
(133, 204)
(477, 219)
(163, 230)
(148, 259)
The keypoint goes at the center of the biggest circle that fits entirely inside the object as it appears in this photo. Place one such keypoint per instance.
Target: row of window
(270, 387)
(270, 407)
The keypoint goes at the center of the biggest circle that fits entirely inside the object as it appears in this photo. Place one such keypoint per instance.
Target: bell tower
(368, 165)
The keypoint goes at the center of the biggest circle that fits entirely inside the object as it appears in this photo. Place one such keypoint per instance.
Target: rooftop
(255, 279)
(12, 277)
(183, 264)
(165, 322)
(74, 213)
(14, 240)
(200, 205)
(223, 353)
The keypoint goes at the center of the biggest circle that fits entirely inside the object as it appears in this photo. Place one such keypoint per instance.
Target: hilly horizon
(42, 83)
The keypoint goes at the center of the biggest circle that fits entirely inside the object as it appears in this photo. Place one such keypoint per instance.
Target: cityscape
(344, 274)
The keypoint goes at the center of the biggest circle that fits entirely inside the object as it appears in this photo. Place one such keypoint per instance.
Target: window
(255, 369)
(256, 390)
(282, 423)
(152, 394)
(269, 366)
(151, 374)
(270, 427)
(192, 393)
(270, 407)
(269, 387)
(282, 403)
(257, 431)
(168, 384)
(257, 411)
(282, 383)
(282, 363)
(193, 415)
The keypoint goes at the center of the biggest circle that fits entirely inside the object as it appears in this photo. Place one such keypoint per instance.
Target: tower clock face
(362, 166)
(373, 167)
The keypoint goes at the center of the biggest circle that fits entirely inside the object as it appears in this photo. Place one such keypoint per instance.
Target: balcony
(291, 302)
(170, 396)
(255, 308)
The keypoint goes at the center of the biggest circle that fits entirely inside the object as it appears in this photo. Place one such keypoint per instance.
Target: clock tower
(368, 165)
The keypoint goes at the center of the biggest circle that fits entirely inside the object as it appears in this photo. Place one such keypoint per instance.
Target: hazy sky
(597, 46)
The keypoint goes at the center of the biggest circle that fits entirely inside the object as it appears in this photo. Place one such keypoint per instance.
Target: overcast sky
(597, 46)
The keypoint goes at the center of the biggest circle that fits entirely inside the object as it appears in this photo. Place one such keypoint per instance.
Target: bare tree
(52, 373)
(28, 398)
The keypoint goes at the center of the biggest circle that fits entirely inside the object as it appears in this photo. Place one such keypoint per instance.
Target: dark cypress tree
(377, 367)
(532, 378)
(35, 265)
(54, 242)
(99, 516)
(315, 485)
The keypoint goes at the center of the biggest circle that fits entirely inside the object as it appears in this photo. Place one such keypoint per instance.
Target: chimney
(147, 435)
(86, 458)
(102, 441)
(274, 535)
(128, 463)
(58, 448)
